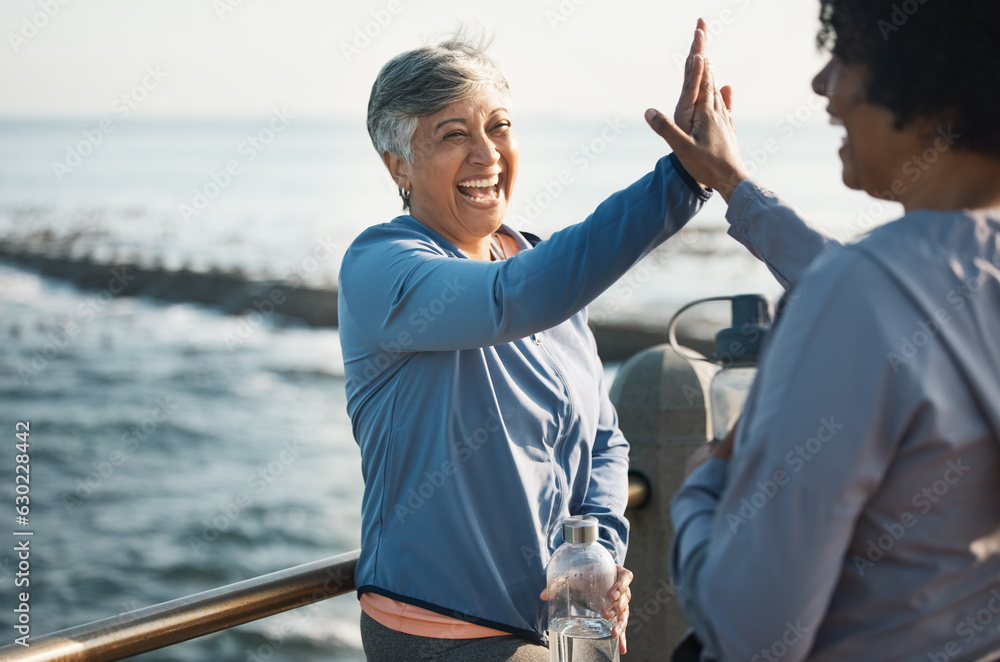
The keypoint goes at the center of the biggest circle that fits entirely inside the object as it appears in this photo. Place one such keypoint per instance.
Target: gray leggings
(385, 645)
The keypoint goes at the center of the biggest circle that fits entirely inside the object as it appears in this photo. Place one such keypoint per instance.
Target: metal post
(661, 401)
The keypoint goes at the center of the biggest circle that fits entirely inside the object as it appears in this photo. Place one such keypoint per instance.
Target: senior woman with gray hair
(473, 382)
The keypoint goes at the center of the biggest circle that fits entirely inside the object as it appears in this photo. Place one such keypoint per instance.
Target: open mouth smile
(484, 191)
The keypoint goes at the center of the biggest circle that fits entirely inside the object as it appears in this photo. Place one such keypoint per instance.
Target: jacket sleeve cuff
(695, 187)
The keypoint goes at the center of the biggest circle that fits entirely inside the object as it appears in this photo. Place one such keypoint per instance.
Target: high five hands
(702, 134)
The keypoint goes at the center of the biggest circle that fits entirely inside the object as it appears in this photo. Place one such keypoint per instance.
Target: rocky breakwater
(235, 293)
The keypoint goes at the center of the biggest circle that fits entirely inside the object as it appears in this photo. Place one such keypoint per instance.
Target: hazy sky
(319, 57)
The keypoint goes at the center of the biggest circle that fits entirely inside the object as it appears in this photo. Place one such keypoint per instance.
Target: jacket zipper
(562, 482)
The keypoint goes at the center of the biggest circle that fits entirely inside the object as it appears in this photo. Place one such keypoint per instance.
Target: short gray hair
(422, 82)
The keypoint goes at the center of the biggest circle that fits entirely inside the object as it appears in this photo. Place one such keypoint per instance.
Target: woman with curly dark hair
(858, 517)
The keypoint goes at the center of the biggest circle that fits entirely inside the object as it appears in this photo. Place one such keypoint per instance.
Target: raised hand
(684, 112)
(709, 150)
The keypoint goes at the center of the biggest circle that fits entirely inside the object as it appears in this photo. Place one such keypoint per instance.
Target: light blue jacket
(478, 401)
(859, 516)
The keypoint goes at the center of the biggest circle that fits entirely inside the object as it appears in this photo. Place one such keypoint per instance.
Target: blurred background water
(147, 426)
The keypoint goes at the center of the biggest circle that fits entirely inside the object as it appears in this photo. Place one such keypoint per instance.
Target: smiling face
(874, 151)
(463, 171)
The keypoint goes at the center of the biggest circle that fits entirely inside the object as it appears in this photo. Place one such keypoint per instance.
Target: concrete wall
(661, 400)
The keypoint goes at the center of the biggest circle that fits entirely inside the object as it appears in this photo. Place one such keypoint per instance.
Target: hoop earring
(404, 194)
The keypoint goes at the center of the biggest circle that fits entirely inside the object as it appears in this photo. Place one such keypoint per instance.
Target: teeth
(482, 183)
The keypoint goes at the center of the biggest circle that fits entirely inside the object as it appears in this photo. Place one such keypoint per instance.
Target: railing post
(661, 401)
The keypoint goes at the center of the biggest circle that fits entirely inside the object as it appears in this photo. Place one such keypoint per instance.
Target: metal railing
(169, 623)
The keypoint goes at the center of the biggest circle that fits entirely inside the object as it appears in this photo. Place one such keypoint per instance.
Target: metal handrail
(151, 628)
(173, 622)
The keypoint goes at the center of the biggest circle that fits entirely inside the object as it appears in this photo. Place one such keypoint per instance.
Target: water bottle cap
(741, 342)
(579, 529)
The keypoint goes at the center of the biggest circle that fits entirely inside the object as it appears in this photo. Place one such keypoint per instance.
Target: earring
(404, 194)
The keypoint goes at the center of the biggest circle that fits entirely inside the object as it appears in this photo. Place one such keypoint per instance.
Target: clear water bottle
(580, 577)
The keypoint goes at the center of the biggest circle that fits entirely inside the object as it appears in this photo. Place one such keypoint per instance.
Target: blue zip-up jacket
(478, 401)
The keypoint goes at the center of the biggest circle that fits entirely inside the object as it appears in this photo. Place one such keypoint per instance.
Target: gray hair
(422, 82)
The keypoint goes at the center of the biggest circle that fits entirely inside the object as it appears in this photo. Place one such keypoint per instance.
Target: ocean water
(149, 425)
(164, 463)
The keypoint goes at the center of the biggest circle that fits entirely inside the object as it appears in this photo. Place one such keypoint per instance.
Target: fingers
(693, 76)
(618, 612)
(661, 124)
(727, 96)
(713, 96)
(707, 87)
(544, 595)
(622, 646)
(624, 577)
(720, 100)
(693, 67)
(697, 43)
(620, 595)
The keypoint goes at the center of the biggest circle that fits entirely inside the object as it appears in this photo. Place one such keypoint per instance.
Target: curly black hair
(927, 59)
